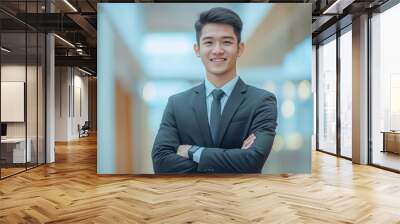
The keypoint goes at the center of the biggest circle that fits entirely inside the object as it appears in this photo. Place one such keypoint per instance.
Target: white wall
(60, 122)
(80, 85)
(70, 83)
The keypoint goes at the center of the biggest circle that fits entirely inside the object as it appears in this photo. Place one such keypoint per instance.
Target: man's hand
(183, 151)
(249, 141)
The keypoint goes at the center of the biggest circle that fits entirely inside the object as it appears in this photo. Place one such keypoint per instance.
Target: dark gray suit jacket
(185, 122)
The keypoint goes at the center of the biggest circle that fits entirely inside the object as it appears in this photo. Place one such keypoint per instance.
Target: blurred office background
(146, 55)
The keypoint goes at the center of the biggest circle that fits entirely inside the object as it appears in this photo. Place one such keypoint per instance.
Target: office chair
(84, 130)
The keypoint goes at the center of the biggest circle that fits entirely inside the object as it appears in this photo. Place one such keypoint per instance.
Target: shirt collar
(227, 88)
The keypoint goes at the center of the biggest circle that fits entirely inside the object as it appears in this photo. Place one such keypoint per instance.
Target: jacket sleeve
(219, 160)
(165, 159)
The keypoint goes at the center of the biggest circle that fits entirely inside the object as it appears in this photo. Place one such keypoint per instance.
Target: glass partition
(346, 94)
(22, 88)
(32, 94)
(13, 105)
(385, 88)
(327, 96)
(41, 109)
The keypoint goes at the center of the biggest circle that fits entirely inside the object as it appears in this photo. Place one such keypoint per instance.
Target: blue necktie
(215, 116)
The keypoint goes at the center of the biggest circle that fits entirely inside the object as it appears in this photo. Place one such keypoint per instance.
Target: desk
(16, 147)
(391, 141)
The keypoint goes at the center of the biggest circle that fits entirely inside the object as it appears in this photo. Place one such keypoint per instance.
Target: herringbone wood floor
(69, 191)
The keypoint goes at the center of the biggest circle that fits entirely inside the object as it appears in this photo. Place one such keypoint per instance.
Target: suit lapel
(235, 99)
(199, 106)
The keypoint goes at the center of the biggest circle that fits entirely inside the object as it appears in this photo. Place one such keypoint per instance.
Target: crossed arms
(250, 158)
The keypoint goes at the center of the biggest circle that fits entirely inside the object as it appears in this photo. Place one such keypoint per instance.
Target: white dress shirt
(227, 88)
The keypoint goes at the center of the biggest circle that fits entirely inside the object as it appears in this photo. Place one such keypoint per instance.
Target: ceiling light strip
(5, 49)
(84, 71)
(331, 7)
(71, 6)
(64, 40)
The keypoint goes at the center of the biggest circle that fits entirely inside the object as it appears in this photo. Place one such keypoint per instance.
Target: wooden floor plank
(70, 191)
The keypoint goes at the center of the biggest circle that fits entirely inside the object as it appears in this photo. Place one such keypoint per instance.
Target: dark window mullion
(317, 95)
(37, 90)
(369, 86)
(26, 86)
(338, 74)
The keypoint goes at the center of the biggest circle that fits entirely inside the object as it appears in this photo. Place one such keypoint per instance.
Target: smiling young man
(222, 125)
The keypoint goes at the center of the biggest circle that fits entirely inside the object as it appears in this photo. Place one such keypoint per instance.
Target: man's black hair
(219, 15)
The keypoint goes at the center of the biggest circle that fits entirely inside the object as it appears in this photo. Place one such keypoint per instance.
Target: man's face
(218, 48)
